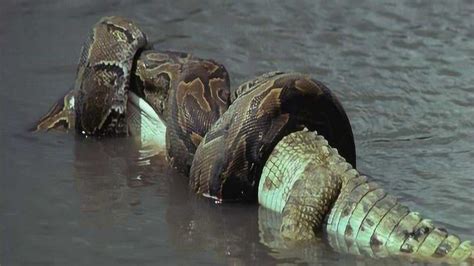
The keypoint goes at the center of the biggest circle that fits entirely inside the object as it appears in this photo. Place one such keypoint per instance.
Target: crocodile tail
(314, 188)
(366, 220)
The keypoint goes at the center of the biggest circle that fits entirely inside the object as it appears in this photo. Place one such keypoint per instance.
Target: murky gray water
(404, 71)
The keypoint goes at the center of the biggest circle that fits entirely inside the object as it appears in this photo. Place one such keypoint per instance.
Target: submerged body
(187, 93)
(177, 104)
(316, 189)
(140, 118)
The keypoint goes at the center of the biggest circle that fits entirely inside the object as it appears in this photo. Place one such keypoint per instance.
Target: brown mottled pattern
(103, 76)
(155, 73)
(200, 97)
(251, 84)
(61, 115)
(262, 128)
(189, 93)
(229, 161)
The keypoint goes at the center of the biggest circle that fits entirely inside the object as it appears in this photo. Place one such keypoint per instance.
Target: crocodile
(315, 190)
(281, 138)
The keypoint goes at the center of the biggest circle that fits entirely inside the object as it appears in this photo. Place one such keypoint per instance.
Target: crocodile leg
(315, 189)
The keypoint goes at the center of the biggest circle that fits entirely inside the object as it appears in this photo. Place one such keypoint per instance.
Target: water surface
(404, 71)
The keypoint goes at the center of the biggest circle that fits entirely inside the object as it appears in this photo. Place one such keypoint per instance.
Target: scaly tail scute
(314, 188)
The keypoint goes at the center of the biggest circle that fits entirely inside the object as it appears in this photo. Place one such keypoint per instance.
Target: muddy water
(404, 71)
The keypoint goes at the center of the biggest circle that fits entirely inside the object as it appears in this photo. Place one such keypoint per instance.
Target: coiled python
(259, 142)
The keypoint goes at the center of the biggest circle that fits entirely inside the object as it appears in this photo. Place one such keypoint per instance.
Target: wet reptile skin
(255, 148)
(228, 162)
(61, 116)
(188, 93)
(103, 76)
(316, 190)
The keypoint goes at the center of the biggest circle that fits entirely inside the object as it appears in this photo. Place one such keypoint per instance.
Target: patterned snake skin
(189, 94)
(230, 159)
(103, 76)
(258, 142)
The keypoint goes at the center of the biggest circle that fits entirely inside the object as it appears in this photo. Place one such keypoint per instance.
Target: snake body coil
(103, 76)
(257, 143)
(229, 161)
(188, 93)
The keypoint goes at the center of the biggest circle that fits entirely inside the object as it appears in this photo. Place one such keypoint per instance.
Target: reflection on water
(317, 251)
(105, 199)
(240, 233)
(109, 179)
(235, 232)
(402, 69)
(193, 224)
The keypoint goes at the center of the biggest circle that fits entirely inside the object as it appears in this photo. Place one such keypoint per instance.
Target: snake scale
(283, 139)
